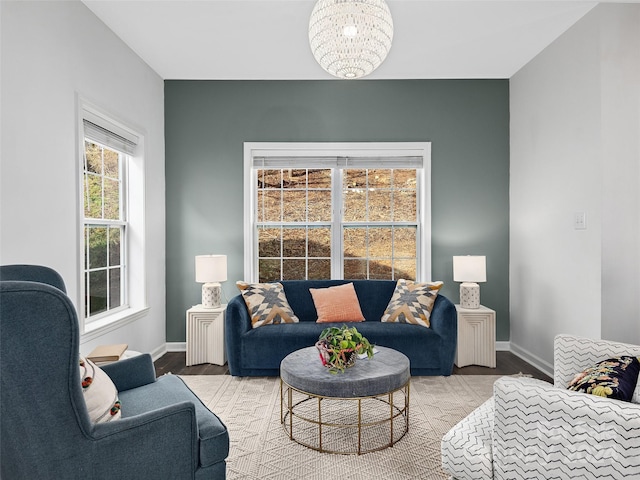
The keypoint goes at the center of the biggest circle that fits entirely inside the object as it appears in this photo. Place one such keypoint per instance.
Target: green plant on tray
(340, 346)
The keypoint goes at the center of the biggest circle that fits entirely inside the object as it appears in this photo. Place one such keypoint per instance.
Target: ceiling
(267, 39)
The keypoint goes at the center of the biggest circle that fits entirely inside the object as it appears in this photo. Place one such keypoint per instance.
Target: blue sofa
(259, 351)
(165, 431)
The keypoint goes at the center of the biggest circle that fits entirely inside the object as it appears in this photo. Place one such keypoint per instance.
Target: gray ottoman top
(387, 371)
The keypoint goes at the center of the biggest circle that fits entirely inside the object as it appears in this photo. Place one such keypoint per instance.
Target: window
(355, 211)
(107, 154)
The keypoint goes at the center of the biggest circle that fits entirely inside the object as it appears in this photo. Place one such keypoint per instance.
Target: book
(107, 353)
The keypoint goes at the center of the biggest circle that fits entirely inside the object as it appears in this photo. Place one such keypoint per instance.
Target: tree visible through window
(347, 221)
(104, 228)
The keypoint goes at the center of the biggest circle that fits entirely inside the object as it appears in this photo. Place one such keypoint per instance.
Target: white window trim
(339, 149)
(136, 296)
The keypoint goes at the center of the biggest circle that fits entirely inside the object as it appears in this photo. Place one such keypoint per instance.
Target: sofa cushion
(267, 303)
(99, 393)
(412, 302)
(337, 304)
(169, 390)
(612, 378)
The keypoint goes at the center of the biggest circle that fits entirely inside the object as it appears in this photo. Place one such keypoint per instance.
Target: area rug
(261, 450)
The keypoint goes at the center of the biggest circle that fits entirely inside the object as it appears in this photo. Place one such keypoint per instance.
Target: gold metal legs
(344, 425)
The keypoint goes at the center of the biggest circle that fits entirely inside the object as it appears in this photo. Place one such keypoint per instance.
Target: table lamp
(470, 269)
(210, 271)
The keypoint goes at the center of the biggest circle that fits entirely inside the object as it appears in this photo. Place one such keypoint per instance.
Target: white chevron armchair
(530, 429)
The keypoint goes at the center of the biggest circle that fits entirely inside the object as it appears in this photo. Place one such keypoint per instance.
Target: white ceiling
(267, 39)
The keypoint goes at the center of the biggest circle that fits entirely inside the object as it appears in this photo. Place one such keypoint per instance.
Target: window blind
(338, 162)
(108, 134)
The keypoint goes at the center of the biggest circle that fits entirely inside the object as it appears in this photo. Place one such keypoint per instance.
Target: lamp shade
(211, 268)
(470, 268)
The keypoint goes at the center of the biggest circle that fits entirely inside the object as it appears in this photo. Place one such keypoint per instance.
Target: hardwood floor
(506, 364)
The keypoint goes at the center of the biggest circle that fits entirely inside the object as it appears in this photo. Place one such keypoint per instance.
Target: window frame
(333, 150)
(133, 296)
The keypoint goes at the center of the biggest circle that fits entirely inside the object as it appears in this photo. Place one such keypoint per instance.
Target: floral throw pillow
(267, 303)
(611, 378)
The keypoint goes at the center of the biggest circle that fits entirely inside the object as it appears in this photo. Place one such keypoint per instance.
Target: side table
(205, 335)
(476, 337)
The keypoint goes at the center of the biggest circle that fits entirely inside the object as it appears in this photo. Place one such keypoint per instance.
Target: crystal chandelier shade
(350, 38)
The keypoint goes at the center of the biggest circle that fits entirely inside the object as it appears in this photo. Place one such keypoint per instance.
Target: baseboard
(176, 346)
(540, 364)
(503, 346)
(156, 353)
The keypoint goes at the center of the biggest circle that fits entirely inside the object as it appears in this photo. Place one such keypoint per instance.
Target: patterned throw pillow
(412, 303)
(337, 304)
(612, 378)
(99, 392)
(267, 303)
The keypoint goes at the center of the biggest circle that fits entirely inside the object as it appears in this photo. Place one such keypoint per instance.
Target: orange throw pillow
(337, 304)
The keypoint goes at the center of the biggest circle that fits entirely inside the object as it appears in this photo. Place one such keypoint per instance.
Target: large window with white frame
(109, 221)
(348, 210)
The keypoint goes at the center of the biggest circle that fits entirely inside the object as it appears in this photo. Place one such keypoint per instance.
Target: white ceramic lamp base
(211, 295)
(469, 295)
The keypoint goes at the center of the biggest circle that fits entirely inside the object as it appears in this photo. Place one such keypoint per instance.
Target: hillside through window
(361, 214)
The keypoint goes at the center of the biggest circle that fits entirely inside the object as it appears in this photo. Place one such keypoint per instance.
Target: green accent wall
(207, 122)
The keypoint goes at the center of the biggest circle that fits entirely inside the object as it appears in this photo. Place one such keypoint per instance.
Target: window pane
(404, 206)
(269, 206)
(114, 287)
(294, 178)
(269, 242)
(404, 179)
(379, 206)
(355, 242)
(97, 292)
(93, 157)
(98, 247)
(319, 178)
(111, 163)
(294, 242)
(379, 178)
(355, 269)
(92, 196)
(114, 245)
(319, 205)
(319, 242)
(355, 206)
(380, 242)
(294, 269)
(111, 199)
(294, 203)
(319, 269)
(355, 178)
(270, 179)
(380, 270)
(404, 269)
(268, 270)
(404, 242)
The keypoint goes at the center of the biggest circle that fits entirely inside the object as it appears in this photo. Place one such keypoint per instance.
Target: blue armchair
(165, 431)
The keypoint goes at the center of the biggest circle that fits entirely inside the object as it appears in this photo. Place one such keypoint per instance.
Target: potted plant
(340, 346)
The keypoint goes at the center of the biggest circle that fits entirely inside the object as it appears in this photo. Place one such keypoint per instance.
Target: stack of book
(107, 353)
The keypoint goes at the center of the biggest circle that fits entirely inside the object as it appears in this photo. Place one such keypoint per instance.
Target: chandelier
(350, 38)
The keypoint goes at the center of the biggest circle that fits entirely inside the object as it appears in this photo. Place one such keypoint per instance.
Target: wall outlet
(580, 221)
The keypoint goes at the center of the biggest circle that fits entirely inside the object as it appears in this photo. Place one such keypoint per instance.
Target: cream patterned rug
(260, 449)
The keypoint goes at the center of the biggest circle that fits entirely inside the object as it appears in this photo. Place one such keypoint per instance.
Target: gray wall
(206, 123)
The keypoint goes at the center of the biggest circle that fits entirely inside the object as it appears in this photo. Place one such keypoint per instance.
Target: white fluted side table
(476, 337)
(205, 335)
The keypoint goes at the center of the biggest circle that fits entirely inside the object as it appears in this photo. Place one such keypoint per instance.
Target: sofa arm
(444, 321)
(572, 354)
(544, 432)
(141, 446)
(237, 322)
(131, 372)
